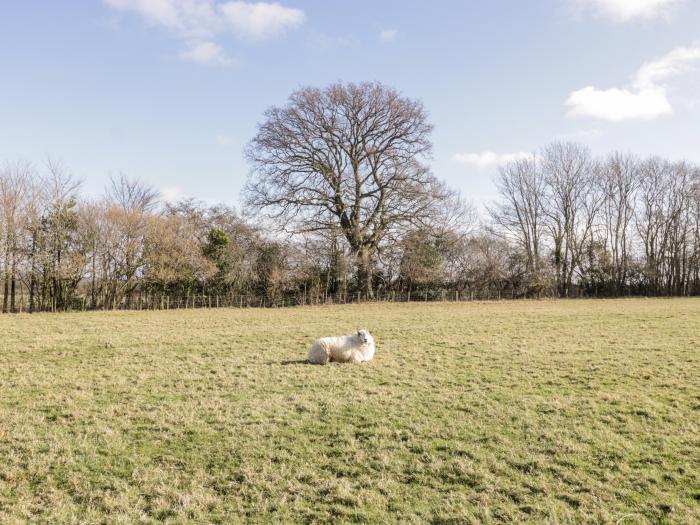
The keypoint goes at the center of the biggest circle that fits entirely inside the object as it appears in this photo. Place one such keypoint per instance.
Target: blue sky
(171, 90)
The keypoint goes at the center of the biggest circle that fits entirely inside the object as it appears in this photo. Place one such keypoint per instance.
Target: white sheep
(354, 348)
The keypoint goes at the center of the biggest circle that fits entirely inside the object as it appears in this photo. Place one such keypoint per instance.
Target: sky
(171, 91)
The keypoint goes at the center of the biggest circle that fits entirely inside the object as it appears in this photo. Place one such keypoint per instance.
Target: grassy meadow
(532, 411)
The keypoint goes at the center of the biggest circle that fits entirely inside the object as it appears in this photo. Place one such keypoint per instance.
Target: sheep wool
(355, 348)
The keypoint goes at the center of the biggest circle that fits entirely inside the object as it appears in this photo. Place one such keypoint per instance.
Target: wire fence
(155, 301)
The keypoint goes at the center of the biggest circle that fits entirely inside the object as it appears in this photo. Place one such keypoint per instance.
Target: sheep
(354, 348)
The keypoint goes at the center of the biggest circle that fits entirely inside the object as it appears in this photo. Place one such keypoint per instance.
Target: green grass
(542, 412)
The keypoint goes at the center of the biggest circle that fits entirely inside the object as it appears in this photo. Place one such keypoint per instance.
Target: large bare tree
(350, 156)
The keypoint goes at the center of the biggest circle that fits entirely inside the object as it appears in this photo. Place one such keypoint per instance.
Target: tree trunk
(6, 290)
(13, 288)
(32, 285)
(93, 297)
(364, 272)
(13, 283)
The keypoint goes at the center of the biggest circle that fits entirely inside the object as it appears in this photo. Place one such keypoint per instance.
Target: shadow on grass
(294, 362)
(297, 362)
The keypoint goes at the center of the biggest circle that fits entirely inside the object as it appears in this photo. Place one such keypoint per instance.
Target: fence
(155, 301)
(149, 301)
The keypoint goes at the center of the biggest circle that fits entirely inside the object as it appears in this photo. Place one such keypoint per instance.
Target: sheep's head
(364, 336)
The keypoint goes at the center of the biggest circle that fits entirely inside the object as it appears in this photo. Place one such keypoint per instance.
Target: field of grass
(542, 412)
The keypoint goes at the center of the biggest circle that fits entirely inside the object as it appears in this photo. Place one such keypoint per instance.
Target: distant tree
(62, 255)
(422, 263)
(218, 250)
(227, 239)
(348, 157)
(485, 262)
(618, 180)
(271, 269)
(520, 213)
(129, 204)
(15, 183)
(570, 205)
(91, 226)
(173, 258)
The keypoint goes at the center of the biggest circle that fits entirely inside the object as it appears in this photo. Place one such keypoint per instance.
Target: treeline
(613, 226)
(565, 224)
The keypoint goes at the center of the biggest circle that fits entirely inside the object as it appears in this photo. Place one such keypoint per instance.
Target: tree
(91, 218)
(520, 213)
(129, 205)
(15, 181)
(173, 258)
(570, 206)
(227, 239)
(61, 253)
(350, 156)
(422, 262)
(271, 271)
(618, 180)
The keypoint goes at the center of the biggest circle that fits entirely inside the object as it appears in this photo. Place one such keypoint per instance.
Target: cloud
(488, 159)
(647, 96)
(388, 35)
(200, 21)
(619, 104)
(626, 10)
(260, 20)
(187, 18)
(680, 60)
(207, 53)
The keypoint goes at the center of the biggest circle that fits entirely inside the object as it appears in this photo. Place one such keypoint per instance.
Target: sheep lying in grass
(354, 348)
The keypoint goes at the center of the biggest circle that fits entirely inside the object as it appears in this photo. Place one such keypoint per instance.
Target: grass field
(547, 412)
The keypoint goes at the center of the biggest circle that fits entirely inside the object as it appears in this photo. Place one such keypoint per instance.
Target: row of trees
(609, 226)
(60, 250)
(565, 225)
(341, 202)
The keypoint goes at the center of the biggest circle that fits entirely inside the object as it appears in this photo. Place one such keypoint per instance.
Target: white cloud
(680, 60)
(619, 104)
(207, 53)
(202, 20)
(625, 10)
(187, 18)
(388, 35)
(647, 96)
(488, 159)
(261, 20)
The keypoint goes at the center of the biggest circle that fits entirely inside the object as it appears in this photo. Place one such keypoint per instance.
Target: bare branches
(349, 156)
(131, 194)
(520, 213)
